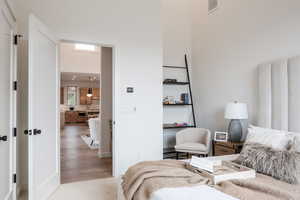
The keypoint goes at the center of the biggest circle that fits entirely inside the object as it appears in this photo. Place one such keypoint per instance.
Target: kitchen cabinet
(84, 99)
(82, 117)
(76, 117)
(71, 117)
(96, 93)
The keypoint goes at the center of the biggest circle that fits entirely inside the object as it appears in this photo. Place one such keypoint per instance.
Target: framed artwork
(221, 136)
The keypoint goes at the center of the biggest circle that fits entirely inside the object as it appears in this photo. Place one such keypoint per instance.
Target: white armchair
(194, 141)
(95, 130)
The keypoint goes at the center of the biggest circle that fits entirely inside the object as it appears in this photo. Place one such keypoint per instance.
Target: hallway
(78, 161)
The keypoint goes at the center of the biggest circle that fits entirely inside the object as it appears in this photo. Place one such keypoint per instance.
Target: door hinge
(16, 39)
(15, 85)
(15, 132)
(14, 178)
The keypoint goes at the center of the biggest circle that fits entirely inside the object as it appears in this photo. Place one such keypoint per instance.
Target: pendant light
(90, 90)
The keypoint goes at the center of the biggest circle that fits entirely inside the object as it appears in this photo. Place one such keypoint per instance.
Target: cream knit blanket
(141, 180)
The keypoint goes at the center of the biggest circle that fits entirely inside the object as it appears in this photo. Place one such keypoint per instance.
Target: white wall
(11, 4)
(176, 43)
(106, 101)
(228, 45)
(134, 28)
(72, 60)
(176, 31)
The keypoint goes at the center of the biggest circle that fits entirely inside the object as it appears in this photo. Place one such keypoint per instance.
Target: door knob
(28, 132)
(36, 132)
(3, 138)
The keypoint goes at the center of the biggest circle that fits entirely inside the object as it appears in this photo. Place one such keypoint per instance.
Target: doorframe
(10, 17)
(114, 93)
(14, 114)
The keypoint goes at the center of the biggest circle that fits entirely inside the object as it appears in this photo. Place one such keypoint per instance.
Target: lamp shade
(236, 110)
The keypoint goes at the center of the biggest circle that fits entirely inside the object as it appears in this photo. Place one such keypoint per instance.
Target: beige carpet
(100, 189)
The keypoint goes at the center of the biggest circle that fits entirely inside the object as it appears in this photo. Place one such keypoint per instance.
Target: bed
(165, 194)
(279, 108)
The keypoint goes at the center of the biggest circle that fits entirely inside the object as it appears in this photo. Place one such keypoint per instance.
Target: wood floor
(78, 161)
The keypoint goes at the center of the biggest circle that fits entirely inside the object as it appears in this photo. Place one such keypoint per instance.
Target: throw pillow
(281, 165)
(269, 137)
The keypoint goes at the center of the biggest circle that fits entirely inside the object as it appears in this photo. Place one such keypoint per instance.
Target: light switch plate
(130, 90)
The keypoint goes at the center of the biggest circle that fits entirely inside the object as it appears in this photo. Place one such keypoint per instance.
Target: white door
(7, 104)
(43, 77)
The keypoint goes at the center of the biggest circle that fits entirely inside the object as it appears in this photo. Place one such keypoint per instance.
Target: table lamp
(235, 111)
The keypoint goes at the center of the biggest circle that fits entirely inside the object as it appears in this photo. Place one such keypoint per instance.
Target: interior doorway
(39, 96)
(85, 111)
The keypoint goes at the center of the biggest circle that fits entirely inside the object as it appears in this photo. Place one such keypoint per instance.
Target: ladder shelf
(169, 151)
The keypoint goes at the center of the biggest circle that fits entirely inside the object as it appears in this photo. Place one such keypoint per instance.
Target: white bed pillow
(269, 137)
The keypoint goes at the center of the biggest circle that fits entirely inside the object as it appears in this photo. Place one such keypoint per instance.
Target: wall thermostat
(129, 89)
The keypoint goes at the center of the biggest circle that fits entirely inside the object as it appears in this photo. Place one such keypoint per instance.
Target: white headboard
(279, 94)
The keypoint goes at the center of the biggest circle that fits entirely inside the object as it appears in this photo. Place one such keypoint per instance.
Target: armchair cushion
(196, 147)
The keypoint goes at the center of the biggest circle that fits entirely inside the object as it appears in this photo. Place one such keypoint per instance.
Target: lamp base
(235, 130)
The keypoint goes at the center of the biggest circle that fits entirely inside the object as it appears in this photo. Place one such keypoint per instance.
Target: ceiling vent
(212, 5)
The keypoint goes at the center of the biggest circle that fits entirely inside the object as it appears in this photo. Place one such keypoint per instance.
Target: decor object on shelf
(194, 141)
(221, 136)
(177, 125)
(235, 112)
(169, 80)
(184, 98)
(169, 100)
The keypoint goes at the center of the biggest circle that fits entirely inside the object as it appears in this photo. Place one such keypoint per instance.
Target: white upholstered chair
(95, 130)
(193, 141)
